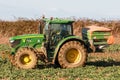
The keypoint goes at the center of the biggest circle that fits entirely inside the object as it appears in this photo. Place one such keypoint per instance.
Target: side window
(46, 26)
(45, 30)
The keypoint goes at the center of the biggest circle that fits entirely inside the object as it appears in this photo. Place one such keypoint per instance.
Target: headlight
(14, 43)
(94, 37)
(11, 41)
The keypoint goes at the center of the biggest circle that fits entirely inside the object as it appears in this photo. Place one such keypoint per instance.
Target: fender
(64, 41)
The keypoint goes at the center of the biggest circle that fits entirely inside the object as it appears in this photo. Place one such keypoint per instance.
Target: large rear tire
(72, 54)
(26, 58)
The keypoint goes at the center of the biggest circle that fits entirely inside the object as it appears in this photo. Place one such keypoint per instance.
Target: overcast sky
(94, 9)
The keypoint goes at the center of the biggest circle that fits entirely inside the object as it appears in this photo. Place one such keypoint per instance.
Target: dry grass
(8, 29)
(24, 26)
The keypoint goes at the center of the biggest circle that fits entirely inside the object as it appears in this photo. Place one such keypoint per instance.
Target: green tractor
(56, 44)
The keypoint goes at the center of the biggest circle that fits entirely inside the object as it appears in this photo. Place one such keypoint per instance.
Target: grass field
(98, 70)
(95, 69)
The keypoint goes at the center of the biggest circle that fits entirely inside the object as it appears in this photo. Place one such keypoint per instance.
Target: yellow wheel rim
(73, 56)
(25, 59)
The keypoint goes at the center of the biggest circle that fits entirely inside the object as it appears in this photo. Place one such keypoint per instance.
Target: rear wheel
(72, 54)
(26, 58)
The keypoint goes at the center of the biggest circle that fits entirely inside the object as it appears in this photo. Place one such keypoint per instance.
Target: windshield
(58, 28)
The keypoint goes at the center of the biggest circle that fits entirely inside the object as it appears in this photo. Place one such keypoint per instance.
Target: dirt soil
(117, 39)
(4, 40)
(100, 55)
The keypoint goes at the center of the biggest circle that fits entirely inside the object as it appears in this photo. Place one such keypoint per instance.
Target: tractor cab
(56, 29)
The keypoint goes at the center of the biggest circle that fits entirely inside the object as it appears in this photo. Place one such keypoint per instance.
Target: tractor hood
(27, 36)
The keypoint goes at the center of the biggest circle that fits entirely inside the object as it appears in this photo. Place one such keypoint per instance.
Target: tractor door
(54, 33)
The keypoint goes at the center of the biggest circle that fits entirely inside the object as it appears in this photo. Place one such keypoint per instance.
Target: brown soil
(117, 39)
(4, 40)
(98, 56)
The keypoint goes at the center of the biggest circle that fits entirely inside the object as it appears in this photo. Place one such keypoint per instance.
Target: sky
(34, 9)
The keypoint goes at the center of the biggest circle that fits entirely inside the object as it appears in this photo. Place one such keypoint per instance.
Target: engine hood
(27, 36)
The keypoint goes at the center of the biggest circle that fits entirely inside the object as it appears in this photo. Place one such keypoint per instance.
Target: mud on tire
(25, 58)
(72, 54)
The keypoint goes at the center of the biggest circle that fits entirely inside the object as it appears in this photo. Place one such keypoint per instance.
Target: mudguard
(70, 38)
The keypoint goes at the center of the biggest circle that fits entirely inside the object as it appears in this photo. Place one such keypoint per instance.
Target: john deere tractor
(56, 44)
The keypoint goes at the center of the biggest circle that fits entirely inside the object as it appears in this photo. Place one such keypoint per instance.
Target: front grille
(15, 43)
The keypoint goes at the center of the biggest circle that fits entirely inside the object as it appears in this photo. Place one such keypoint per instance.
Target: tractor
(56, 44)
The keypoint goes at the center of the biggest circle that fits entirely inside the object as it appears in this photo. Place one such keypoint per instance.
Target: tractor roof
(58, 20)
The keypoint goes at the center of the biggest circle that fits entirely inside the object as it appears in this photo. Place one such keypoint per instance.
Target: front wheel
(72, 54)
(26, 58)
